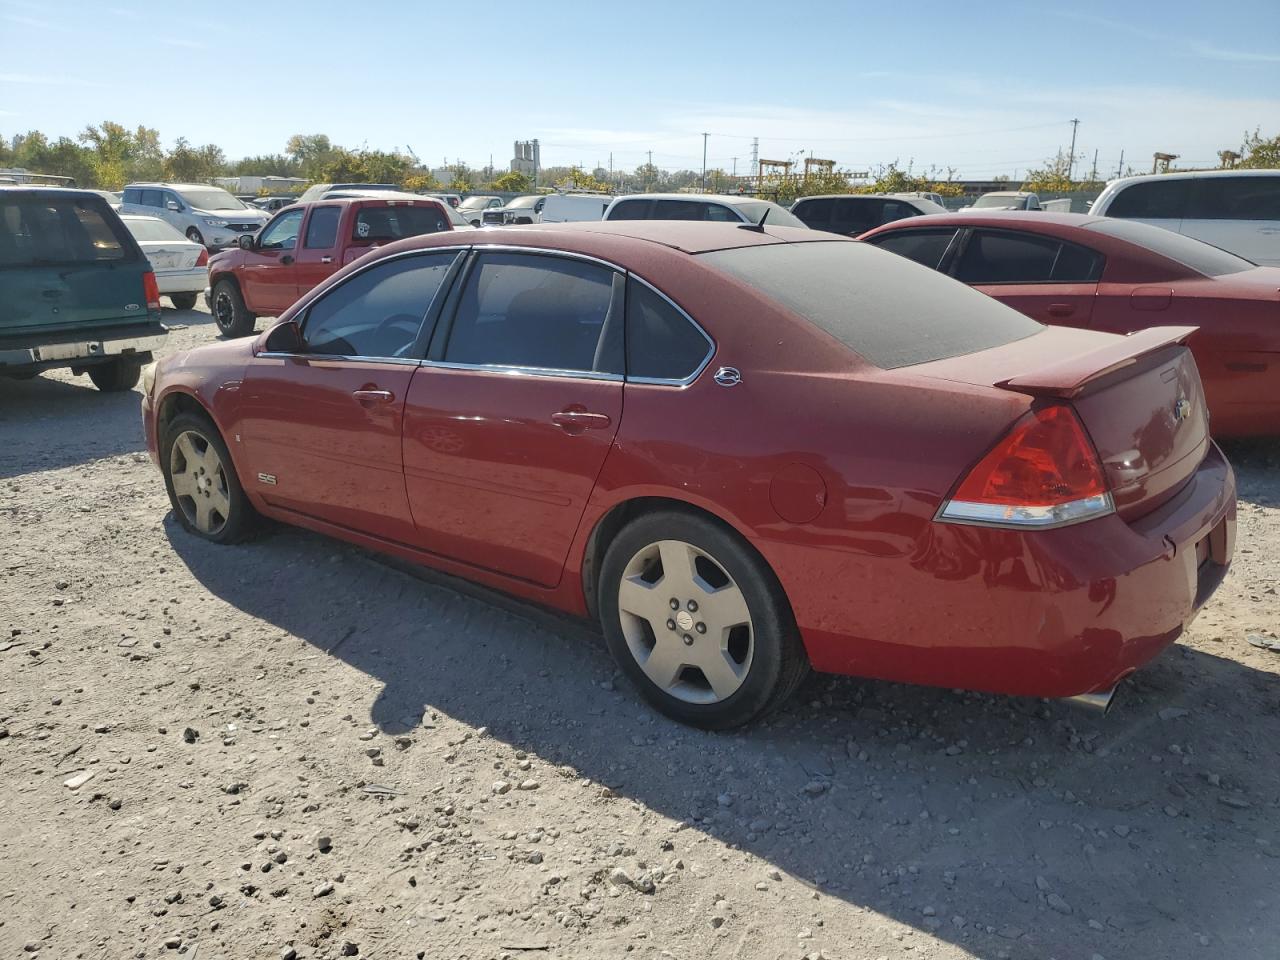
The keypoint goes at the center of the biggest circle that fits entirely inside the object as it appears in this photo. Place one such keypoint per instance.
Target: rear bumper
(183, 281)
(1051, 613)
(66, 350)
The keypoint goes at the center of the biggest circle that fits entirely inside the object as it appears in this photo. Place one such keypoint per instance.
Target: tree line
(109, 155)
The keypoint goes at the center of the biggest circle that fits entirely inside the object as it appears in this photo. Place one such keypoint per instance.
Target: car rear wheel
(183, 301)
(203, 487)
(115, 376)
(195, 236)
(698, 622)
(229, 311)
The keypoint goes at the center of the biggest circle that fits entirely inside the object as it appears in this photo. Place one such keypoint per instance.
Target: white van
(564, 207)
(1237, 210)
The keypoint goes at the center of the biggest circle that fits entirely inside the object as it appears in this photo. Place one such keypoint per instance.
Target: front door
(317, 258)
(322, 427)
(1038, 275)
(508, 424)
(269, 277)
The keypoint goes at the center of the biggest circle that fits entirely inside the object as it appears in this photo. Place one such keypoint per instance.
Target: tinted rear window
(44, 231)
(149, 229)
(1201, 257)
(1235, 198)
(1152, 200)
(889, 310)
(384, 224)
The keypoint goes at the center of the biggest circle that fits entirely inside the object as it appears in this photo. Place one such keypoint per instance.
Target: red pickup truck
(305, 243)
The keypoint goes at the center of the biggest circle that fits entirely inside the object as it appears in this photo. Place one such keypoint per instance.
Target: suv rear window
(46, 231)
(1152, 200)
(884, 307)
(1235, 198)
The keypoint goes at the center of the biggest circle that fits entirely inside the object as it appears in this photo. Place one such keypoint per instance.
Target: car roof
(1192, 175)
(1008, 193)
(45, 190)
(176, 186)
(1014, 219)
(726, 199)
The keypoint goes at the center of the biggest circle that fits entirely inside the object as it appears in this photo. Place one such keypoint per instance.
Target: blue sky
(985, 88)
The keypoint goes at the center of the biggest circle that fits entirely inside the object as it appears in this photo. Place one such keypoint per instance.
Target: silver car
(181, 266)
(203, 214)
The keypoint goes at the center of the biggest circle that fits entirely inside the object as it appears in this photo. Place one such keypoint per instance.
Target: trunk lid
(1139, 397)
(166, 255)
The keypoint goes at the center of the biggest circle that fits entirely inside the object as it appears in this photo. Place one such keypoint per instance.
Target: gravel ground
(292, 748)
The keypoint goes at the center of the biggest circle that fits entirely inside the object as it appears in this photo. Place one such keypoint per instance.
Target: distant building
(258, 184)
(527, 159)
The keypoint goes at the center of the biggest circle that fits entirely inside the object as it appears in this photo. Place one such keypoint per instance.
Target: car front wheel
(229, 311)
(195, 236)
(201, 480)
(698, 622)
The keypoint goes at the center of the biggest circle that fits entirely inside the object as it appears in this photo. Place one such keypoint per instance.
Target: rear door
(854, 216)
(319, 255)
(1240, 214)
(930, 247)
(268, 276)
(508, 423)
(1040, 276)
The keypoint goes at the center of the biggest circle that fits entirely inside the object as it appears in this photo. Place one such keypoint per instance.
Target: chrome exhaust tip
(1098, 703)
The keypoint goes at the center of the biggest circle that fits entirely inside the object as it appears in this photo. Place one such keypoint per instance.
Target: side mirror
(246, 242)
(285, 338)
(174, 206)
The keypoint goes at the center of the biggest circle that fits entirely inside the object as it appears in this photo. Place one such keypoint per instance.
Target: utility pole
(648, 171)
(704, 162)
(1120, 170)
(1071, 161)
(735, 166)
(1093, 174)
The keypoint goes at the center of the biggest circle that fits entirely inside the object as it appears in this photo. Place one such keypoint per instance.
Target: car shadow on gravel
(1010, 827)
(1257, 466)
(56, 420)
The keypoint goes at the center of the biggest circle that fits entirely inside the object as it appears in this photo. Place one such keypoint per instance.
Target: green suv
(75, 289)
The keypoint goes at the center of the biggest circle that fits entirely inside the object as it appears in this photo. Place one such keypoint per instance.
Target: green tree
(311, 152)
(579, 179)
(343, 166)
(1259, 153)
(112, 146)
(421, 182)
(512, 182)
(461, 177)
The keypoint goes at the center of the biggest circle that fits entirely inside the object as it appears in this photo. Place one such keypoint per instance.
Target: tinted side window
(855, 215)
(132, 195)
(716, 212)
(661, 342)
(631, 210)
(322, 228)
(537, 311)
(1004, 257)
(1152, 200)
(1007, 258)
(815, 213)
(151, 198)
(377, 313)
(894, 210)
(925, 247)
(1235, 198)
(679, 210)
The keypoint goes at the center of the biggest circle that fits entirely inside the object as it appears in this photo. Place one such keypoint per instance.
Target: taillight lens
(1043, 473)
(203, 259)
(152, 291)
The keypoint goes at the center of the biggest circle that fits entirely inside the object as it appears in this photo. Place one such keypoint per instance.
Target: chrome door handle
(326, 259)
(575, 421)
(373, 396)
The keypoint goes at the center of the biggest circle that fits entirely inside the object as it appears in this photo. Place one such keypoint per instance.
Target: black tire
(778, 663)
(116, 376)
(195, 236)
(242, 519)
(183, 301)
(229, 311)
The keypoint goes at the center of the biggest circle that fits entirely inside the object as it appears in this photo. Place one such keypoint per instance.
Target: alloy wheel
(686, 622)
(224, 311)
(199, 482)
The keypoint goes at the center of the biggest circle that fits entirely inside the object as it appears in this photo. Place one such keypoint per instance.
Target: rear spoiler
(1066, 378)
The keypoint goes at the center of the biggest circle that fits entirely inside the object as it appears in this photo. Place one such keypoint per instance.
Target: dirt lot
(296, 749)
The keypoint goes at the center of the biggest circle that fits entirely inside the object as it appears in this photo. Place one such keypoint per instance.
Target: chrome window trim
(521, 371)
(276, 355)
(309, 298)
(546, 251)
(706, 360)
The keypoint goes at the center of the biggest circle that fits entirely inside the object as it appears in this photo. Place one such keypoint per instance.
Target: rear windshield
(152, 229)
(884, 307)
(384, 224)
(1203, 258)
(46, 231)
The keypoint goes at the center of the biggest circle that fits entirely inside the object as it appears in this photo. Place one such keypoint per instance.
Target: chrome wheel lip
(199, 482)
(689, 620)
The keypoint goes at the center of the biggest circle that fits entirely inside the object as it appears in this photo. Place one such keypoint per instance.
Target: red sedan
(1120, 275)
(747, 451)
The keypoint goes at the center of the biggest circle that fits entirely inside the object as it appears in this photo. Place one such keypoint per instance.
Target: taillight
(203, 259)
(152, 291)
(1043, 473)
